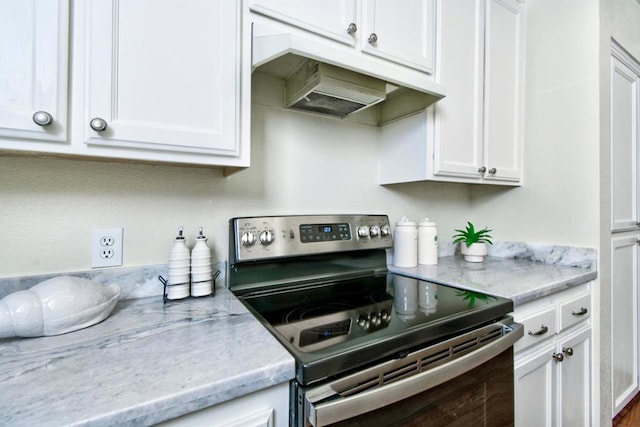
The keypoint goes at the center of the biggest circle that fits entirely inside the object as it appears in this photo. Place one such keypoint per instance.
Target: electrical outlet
(106, 247)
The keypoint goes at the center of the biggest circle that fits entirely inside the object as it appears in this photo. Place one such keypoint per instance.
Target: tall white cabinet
(33, 70)
(625, 231)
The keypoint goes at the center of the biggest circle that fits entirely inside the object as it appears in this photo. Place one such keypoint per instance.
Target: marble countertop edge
(521, 281)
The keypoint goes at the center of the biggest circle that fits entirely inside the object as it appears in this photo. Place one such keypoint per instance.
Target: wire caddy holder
(166, 285)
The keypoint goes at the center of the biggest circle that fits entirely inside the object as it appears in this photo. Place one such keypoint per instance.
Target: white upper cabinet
(458, 148)
(400, 31)
(152, 80)
(625, 127)
(475, 133)
(334, 19)
(503, 94)
(479, 126)
(33, 70)
(160, 75)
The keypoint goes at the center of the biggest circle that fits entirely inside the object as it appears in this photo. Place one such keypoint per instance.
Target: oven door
(466, 380)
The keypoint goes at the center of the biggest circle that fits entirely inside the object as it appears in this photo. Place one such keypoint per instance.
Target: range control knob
(363, 322)
(374, 231)
(376, 319)
(384, 230)
(247, 238)
(266, 237)
(363, 231)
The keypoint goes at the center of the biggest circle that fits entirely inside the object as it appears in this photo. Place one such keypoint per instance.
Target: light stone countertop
(146, 363)
(521, 280)
(149, 362)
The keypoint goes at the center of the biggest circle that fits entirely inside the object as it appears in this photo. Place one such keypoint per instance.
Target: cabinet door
(535, 388)
(163, 74)
(458, 139)
(400, 31)
(625, 94)
(33, 71)
(624, 320)
(575, 380)
(503, 96)
(328, 18)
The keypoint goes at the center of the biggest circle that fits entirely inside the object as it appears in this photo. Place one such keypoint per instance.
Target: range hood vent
(336, 82)
(326, 89)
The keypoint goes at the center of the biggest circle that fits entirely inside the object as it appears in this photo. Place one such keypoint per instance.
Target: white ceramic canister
(201, 282)
(427, 242)
(179, 266)
(405, 243)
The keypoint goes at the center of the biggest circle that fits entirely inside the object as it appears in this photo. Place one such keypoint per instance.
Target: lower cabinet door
(535, 388)
(575, 383)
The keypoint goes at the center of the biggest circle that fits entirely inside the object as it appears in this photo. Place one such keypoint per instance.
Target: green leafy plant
(473, 296)
(470, 236)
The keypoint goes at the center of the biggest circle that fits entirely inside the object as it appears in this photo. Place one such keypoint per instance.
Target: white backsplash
(141, 282)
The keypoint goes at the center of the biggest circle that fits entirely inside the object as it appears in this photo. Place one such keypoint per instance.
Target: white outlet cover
(106, 241)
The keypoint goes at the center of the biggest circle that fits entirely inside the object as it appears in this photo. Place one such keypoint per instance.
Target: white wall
(558, 201)
(301, 163)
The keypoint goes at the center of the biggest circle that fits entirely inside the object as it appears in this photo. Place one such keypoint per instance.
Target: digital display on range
(324, 232)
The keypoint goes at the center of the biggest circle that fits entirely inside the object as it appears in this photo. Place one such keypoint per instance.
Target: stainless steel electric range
(371, 347)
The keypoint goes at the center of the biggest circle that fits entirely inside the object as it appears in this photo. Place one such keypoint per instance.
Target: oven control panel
(257, 238)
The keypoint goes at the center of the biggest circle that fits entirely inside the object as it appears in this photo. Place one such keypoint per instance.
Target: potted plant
(473, 244)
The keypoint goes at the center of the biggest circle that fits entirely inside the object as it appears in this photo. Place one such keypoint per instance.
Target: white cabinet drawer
(538, 326)
(574, 311)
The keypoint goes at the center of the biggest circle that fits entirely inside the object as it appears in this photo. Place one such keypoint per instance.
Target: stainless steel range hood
(326, 89)
(334, 82)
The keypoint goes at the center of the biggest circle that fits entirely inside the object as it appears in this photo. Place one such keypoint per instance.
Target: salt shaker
(405, 246)
(427, 242)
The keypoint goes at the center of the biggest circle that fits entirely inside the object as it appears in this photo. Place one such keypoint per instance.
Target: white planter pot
(474, 253)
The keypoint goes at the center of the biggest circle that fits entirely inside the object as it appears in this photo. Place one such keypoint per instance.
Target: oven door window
(480, 397)
(464, 381)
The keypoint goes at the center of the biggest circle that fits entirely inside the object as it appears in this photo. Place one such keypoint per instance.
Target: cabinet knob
(98, 124)
(558, 356)
(492, 171)
(352, 28)
(568, 351)
(42, 118)
(373, 38)
(483, 169)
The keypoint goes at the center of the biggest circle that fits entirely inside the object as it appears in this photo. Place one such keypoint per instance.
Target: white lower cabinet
(553, 366)
(264, 408)
(535, 388)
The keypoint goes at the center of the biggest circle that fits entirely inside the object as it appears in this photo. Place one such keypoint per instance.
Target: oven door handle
(321, 413)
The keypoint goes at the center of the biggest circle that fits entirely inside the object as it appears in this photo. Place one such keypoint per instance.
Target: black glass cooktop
(336, 326)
